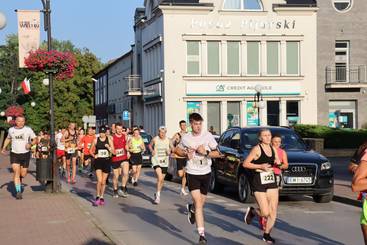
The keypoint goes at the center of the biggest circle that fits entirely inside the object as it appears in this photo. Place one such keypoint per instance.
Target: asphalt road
(135, 220)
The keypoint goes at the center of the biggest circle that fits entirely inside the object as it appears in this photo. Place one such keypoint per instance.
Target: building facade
(209, 56)
(342, 60)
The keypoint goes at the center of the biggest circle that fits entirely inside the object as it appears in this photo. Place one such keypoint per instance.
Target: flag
(26, 86)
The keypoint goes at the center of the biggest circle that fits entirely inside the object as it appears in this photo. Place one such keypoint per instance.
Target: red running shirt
(120, 148)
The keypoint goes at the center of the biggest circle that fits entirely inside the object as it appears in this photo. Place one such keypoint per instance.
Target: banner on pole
(28, 33)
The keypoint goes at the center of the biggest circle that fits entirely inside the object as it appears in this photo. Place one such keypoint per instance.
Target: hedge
(333, 137)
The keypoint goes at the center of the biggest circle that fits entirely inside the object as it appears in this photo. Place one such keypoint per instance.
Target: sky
(105, 27)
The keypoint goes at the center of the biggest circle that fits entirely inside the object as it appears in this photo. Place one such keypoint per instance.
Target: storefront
(215, 53)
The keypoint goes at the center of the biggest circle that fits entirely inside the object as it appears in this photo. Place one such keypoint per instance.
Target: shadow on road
(9, 187)
(87, 195)
(97, 242)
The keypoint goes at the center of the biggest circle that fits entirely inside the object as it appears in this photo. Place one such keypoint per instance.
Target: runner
(70, 139)
(136, 148)
(87, 142)
(160, 148)
(60, 151)
(276, 142)
(181, 161)
(80, 159)
(43, 146)
(113, 128)
(199, 147)
(103, 146)
(359, 182)
(21, 138)
(120, 162)
(263, 183)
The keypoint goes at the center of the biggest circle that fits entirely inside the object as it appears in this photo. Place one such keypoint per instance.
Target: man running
(160, 148)
(60, 151)
(70, 139)
(21, 138)
(199, 147)
(181, 161)
(87, 142)
(136, 147)
(120, 162)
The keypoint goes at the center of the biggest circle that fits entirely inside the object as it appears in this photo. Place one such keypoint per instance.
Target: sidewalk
(42, 218)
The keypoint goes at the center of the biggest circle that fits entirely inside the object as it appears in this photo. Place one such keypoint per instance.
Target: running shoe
(268, 239)
(190, 213)
(73, 182)
(69, 179)
(135, 183)
(249, 215)
(97, 202)
(101, 201)
(122, 192)
(183, 193)
(115, 194)
(202, 240)
(90, 175)
(157, 199)
(18, 196)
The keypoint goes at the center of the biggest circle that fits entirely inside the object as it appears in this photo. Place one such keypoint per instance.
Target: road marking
(318, 212)
(219, 200)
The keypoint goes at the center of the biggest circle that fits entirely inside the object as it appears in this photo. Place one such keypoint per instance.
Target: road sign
(89, 119)
(125, 115)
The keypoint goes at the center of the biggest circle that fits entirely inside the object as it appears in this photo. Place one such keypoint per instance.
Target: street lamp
(46, 81)
(33, 104)
(2, 21)
(259, 102)
(2, 114)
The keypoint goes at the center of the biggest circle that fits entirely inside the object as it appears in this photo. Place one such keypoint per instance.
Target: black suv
(309, 172)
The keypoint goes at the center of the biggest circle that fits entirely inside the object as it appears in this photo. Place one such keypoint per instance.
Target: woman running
(160, 148)
(276, 142)
(103, 146)
(359, 182)
(70, 139)
(136, 148)
(263, 183)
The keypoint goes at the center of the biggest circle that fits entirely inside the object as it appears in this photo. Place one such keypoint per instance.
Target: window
(226, 138)
(272, 52)
(193, 57)
(250, 5)
(342, 5)
(96, 95)
(342, 114)
(253, 58)
(233, 114)
(213, 58)
(214, 115)
(273, 113)
(292, 112)
(292, 50)
(233, 58)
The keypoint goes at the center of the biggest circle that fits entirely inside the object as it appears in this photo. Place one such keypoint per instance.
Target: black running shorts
(136, 159)
(199, 182)
(181, 163)
(103, 164)
(22, 159)
(256, 185)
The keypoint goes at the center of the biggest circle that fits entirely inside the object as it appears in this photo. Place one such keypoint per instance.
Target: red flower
(14, 111)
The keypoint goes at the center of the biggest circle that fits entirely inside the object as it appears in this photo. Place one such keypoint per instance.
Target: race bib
(44, 148)
(120, 152)
(203, 162)
(71, 151)
(103, 154)
(89, 145)
(267, 178)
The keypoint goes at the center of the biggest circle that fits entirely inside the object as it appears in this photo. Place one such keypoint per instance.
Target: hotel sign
(242, 88)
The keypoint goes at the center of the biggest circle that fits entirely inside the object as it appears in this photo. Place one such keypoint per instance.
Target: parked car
(309, 172)
(147, 155)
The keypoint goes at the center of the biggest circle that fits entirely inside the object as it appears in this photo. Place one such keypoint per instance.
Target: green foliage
(333, 137)
(73, 97)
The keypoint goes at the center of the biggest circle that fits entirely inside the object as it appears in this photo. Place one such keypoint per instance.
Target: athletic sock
(18, 187)
(158, 193)
(201, 231)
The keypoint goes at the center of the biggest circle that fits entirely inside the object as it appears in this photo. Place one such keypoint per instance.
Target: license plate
(298, 180)
(146, 157)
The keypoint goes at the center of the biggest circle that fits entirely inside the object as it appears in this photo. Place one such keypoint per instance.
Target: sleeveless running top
(161, 147)
(265, 158)
(120, 148)
(136, 143)
(101, 149)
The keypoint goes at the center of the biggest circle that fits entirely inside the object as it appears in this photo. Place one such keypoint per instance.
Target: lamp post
(56, 187)
(2, 21)
(259, 102)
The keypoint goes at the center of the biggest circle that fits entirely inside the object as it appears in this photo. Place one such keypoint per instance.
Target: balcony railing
(346, 76)
(134, 85)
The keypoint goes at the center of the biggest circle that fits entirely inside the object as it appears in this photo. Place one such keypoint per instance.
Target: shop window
(273, 113)
(342, 5)
(272, 52)
(292, 112)
(233, 58)
(250, 5)
(233, 114)
(214, 117)
(193, 57)
(342, 114)
(292, 58)
(213, 60)
(253, 58)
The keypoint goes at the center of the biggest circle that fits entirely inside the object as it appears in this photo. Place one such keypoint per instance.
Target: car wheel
(323, 198)
(214, 186)
(244, 189)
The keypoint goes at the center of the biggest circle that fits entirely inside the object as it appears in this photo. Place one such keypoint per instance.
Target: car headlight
(325, 166)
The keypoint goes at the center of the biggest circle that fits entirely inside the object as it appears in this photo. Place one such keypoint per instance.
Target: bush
(333, 137)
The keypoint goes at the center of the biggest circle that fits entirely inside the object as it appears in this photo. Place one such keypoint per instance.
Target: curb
(347, 200)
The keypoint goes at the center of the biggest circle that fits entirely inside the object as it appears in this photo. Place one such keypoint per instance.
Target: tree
(73, 97)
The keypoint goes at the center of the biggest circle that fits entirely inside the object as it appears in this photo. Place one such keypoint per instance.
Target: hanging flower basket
(62, 64)
(12, 112)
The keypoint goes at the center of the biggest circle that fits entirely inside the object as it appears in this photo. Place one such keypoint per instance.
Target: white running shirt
(199, 165)
(60, 145)
(20, 137)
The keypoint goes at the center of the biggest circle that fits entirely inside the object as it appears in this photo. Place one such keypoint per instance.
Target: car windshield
(146, 138)
(290, 140)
